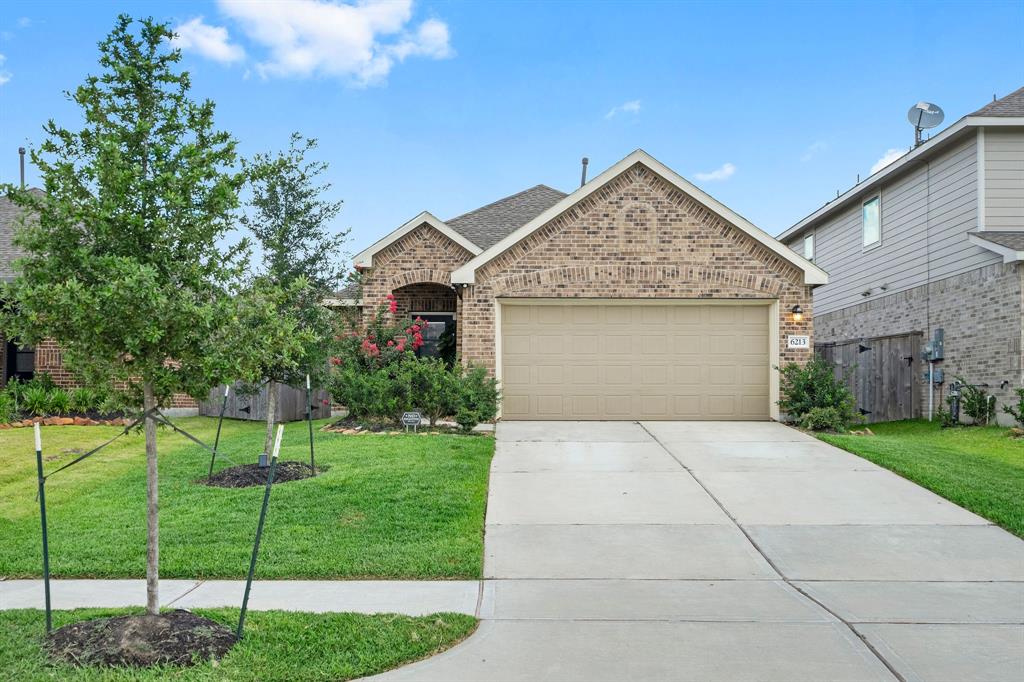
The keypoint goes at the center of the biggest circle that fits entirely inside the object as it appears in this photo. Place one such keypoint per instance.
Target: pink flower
(390, 344)
(335, 361)
(393, 307)
(415, 328)
(325, 401)
(391, 297)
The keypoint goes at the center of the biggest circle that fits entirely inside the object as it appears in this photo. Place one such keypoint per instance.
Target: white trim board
(1009, 255)
(364, 259)
(812, 273)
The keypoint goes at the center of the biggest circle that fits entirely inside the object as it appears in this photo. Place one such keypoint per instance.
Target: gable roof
(1007, 111)
(364, 258)
(812, 273)
(487, 225)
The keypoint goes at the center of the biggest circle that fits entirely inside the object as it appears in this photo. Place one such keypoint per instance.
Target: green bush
(111, 402)
(370, 394)
(1017, 412)
(35, 400)
(435, 388)
(976, 403)
(945, 416)
(83, 400)
(59, 401)
(16, 389)
(815, 385)
(478, 399)
(823, 419)
(7, 411)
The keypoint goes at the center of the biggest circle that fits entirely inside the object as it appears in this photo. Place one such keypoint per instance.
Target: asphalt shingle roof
(488, 225)
(1011, 105)
(1011, 240)
(9, 214)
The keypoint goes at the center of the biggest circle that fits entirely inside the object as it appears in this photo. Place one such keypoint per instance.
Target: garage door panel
(635, 361)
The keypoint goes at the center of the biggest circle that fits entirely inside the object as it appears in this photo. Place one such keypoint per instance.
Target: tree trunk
(268, 441)
(152, 508)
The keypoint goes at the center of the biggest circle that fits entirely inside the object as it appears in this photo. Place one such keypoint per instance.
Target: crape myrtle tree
(122, 267)
(299, 266)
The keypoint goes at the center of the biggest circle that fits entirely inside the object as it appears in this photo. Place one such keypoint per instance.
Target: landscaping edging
(66, 421)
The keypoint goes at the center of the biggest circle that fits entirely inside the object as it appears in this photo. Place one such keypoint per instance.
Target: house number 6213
(799, 342)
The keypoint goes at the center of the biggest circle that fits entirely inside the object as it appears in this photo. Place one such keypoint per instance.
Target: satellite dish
(922, 116)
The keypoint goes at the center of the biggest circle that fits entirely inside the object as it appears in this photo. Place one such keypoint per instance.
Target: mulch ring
(247, 475)
(173, 638)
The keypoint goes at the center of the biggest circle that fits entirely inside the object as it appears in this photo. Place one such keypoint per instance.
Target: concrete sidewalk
(413, 598)
(728, 551)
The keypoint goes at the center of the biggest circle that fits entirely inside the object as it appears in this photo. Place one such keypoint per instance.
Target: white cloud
(630, 107)
(211, 42)
(887, 158)
(723, 173)
(361, 42)
(813, 150)
(24, 22)
(5, 75)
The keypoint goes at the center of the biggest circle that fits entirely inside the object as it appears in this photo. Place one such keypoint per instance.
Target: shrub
(59, 401)
(16, 390)
(83, 400)
(7, 411)
(976, 402)
(1017, 412)
(814, 385)
(478, 399)
(823, 419)
(371, 394)
(435, 388)
(111, 402)
(35, 400)
(945, 416)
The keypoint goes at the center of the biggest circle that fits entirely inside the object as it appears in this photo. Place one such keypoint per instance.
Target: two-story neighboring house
(933, 241)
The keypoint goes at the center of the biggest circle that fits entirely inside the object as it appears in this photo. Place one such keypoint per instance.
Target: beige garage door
(600, 360)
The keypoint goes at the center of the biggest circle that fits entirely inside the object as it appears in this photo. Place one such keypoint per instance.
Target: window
(436, 325)
(809, 247)
(872, 222)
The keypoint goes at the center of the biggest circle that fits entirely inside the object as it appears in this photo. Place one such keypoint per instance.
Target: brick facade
(637, 237)
(981, 313)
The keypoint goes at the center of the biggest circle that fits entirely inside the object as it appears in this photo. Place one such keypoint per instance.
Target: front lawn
(387, 506)
(979, 468)
(277, 646)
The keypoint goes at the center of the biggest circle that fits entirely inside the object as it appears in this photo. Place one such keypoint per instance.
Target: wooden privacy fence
(883, 373)
(291, 404)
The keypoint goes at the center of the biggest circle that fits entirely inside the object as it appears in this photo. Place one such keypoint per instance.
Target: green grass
(277, 646)
(979, 468)
(387, 506)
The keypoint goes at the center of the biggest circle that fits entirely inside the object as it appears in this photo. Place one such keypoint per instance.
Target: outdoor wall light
(798, 313)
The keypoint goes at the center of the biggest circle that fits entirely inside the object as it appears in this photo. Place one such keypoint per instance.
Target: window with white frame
(809, 247)
(872, 226)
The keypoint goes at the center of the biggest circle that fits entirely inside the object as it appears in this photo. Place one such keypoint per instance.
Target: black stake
(46, 541)
(259, 530)
(216, 441)
(309, 418)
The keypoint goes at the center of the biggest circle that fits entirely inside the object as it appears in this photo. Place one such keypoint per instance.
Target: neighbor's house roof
(1007, 111)
(9, 252)
(812, 273)
(1009, 245)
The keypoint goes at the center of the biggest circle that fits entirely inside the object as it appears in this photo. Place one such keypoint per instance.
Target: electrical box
(938, 344)
(937, 376)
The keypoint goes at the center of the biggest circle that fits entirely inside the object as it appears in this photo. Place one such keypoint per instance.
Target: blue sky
(445, 106)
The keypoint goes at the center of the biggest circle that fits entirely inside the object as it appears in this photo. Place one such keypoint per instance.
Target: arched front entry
(436, 304)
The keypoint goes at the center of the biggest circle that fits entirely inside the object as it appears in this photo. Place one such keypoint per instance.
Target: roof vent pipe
(583, 175)
(21, 163)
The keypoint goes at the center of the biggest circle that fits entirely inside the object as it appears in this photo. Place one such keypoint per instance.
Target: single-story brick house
(636, 296)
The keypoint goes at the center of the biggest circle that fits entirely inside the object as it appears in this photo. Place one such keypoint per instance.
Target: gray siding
(926, 213)
(1004, 178)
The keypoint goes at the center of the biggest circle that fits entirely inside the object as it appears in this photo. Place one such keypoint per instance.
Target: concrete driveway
(728, 551)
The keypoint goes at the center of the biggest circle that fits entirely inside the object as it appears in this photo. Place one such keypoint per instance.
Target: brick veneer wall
(424, 297)
(980, 312)
(638, 237)
(49, 361)
(422, 257)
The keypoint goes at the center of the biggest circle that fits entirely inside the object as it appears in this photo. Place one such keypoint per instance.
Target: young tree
(123, 269)
(301, 265)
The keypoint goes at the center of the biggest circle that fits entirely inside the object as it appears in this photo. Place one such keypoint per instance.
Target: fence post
(309, 418)
(259, 530)
(220, 421)
(42, 515)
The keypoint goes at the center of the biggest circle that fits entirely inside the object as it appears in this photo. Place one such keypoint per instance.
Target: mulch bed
(248, 475)
(353, 427)
(174, 638)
